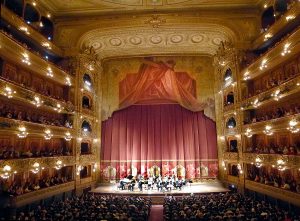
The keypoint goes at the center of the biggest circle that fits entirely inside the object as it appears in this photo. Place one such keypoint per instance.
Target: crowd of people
(222, 206)
(25, 114)
(19, 188)
(273, 178)
(275, 114)
(91, 207)
(275, 149)
(8, 152)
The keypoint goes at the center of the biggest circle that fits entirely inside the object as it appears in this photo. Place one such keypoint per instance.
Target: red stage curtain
(167, 136)
(159, 83)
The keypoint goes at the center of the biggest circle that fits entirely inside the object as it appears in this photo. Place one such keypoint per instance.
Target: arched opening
(86, 127)
(85, 148)
(231, 123)
(234, 171)
(31, 14)
(16, 6)
(228, 75)
(86, 102)
(230, 98)
(47, 28)
(87, 81)
(268, 18)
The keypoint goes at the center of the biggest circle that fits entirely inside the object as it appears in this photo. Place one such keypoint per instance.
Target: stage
(194, 188)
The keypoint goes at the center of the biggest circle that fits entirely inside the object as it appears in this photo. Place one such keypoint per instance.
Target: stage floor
(195, 188)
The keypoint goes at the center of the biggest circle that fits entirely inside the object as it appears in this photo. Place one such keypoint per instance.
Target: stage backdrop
(152, 139)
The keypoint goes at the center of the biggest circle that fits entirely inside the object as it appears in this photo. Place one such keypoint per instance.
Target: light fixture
(68, 136)
(88, 83)
(48, 134)
(276, 95)
(79, 168)
(22, 132)
(79, 139)
(255, 103)
(267, 36)
(24, 29)
(37, 101)
(58, 165)
(246, 76)
(239, 167)
(49, 72)
(248, 132)
(46, 45)
(222, 63)
(263, 64)
(26, 59)
(95, 140)
(34, 3)
(289, 17)
(48, 15)
(68, 81)
(6, 172)
(35, 168)
(268, 130)
(8, 92)
(58, 108)
(281, 165)
(286, 49)
(94, 167)
(258, 162)
(41, 24)
(293, 126)
(223, 165)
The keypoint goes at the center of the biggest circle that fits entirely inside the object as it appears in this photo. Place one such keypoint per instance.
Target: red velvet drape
(167, 136)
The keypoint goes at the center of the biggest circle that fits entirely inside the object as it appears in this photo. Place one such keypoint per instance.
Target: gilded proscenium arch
(202, 39)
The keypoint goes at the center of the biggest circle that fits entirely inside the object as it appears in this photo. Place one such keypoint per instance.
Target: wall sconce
(6, 172)
(95, 140)
(276, 95)
(46, 45)
(48, 135)
(289, 17)
(49, 72)
(37, 101)
(68, 81)
(22, 132)
(26, 59)
(79, 168)
(94, 167)
(224, 165)
(268, 130)
(286, 49)
(248, 132)
(255, 103)
(239, 167)
(36, 168)
(68, 136)
(258, 162)
(8, 92)
(24, 29)
(268, 36)
(293, 126)
(263, 64)
(58, 165)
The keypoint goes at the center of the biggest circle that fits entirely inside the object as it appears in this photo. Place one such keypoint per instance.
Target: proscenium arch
(203, 39)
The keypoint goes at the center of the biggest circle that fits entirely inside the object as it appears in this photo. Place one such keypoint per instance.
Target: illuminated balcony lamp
(36, 168)
(94, 167)
(223, 165)
(258, 162)
(68, 81)
(8, 92)
(268, 130)
(286, 49)
(88, 83)
(263, 64)
(68, 136)
(58, 165)
(6, 172)
(79, 168)
(46, 45)
(281, 165)
(293, 126)
(239, 167)
(25, 29)
(58, 108)
(48, 15)
(248, 133)
(37, 101)
(290, 17)
(22, 132)
(25, 59)
(268, 36)
(255, 103)
(246, 76)
(48, 135)
(49, 72)
(276, 95)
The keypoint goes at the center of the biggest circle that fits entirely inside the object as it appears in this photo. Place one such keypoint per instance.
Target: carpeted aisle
(156, 213)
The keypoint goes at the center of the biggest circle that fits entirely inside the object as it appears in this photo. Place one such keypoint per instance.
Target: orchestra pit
(150, 110)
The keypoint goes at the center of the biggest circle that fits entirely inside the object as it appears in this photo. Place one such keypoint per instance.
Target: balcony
(271, 159)
(37, 195)
(230, 156)
(275, 192)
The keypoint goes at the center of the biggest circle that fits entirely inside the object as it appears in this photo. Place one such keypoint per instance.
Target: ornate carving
(155, 21)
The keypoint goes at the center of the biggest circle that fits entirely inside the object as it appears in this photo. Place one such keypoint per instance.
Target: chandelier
(293, 126)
